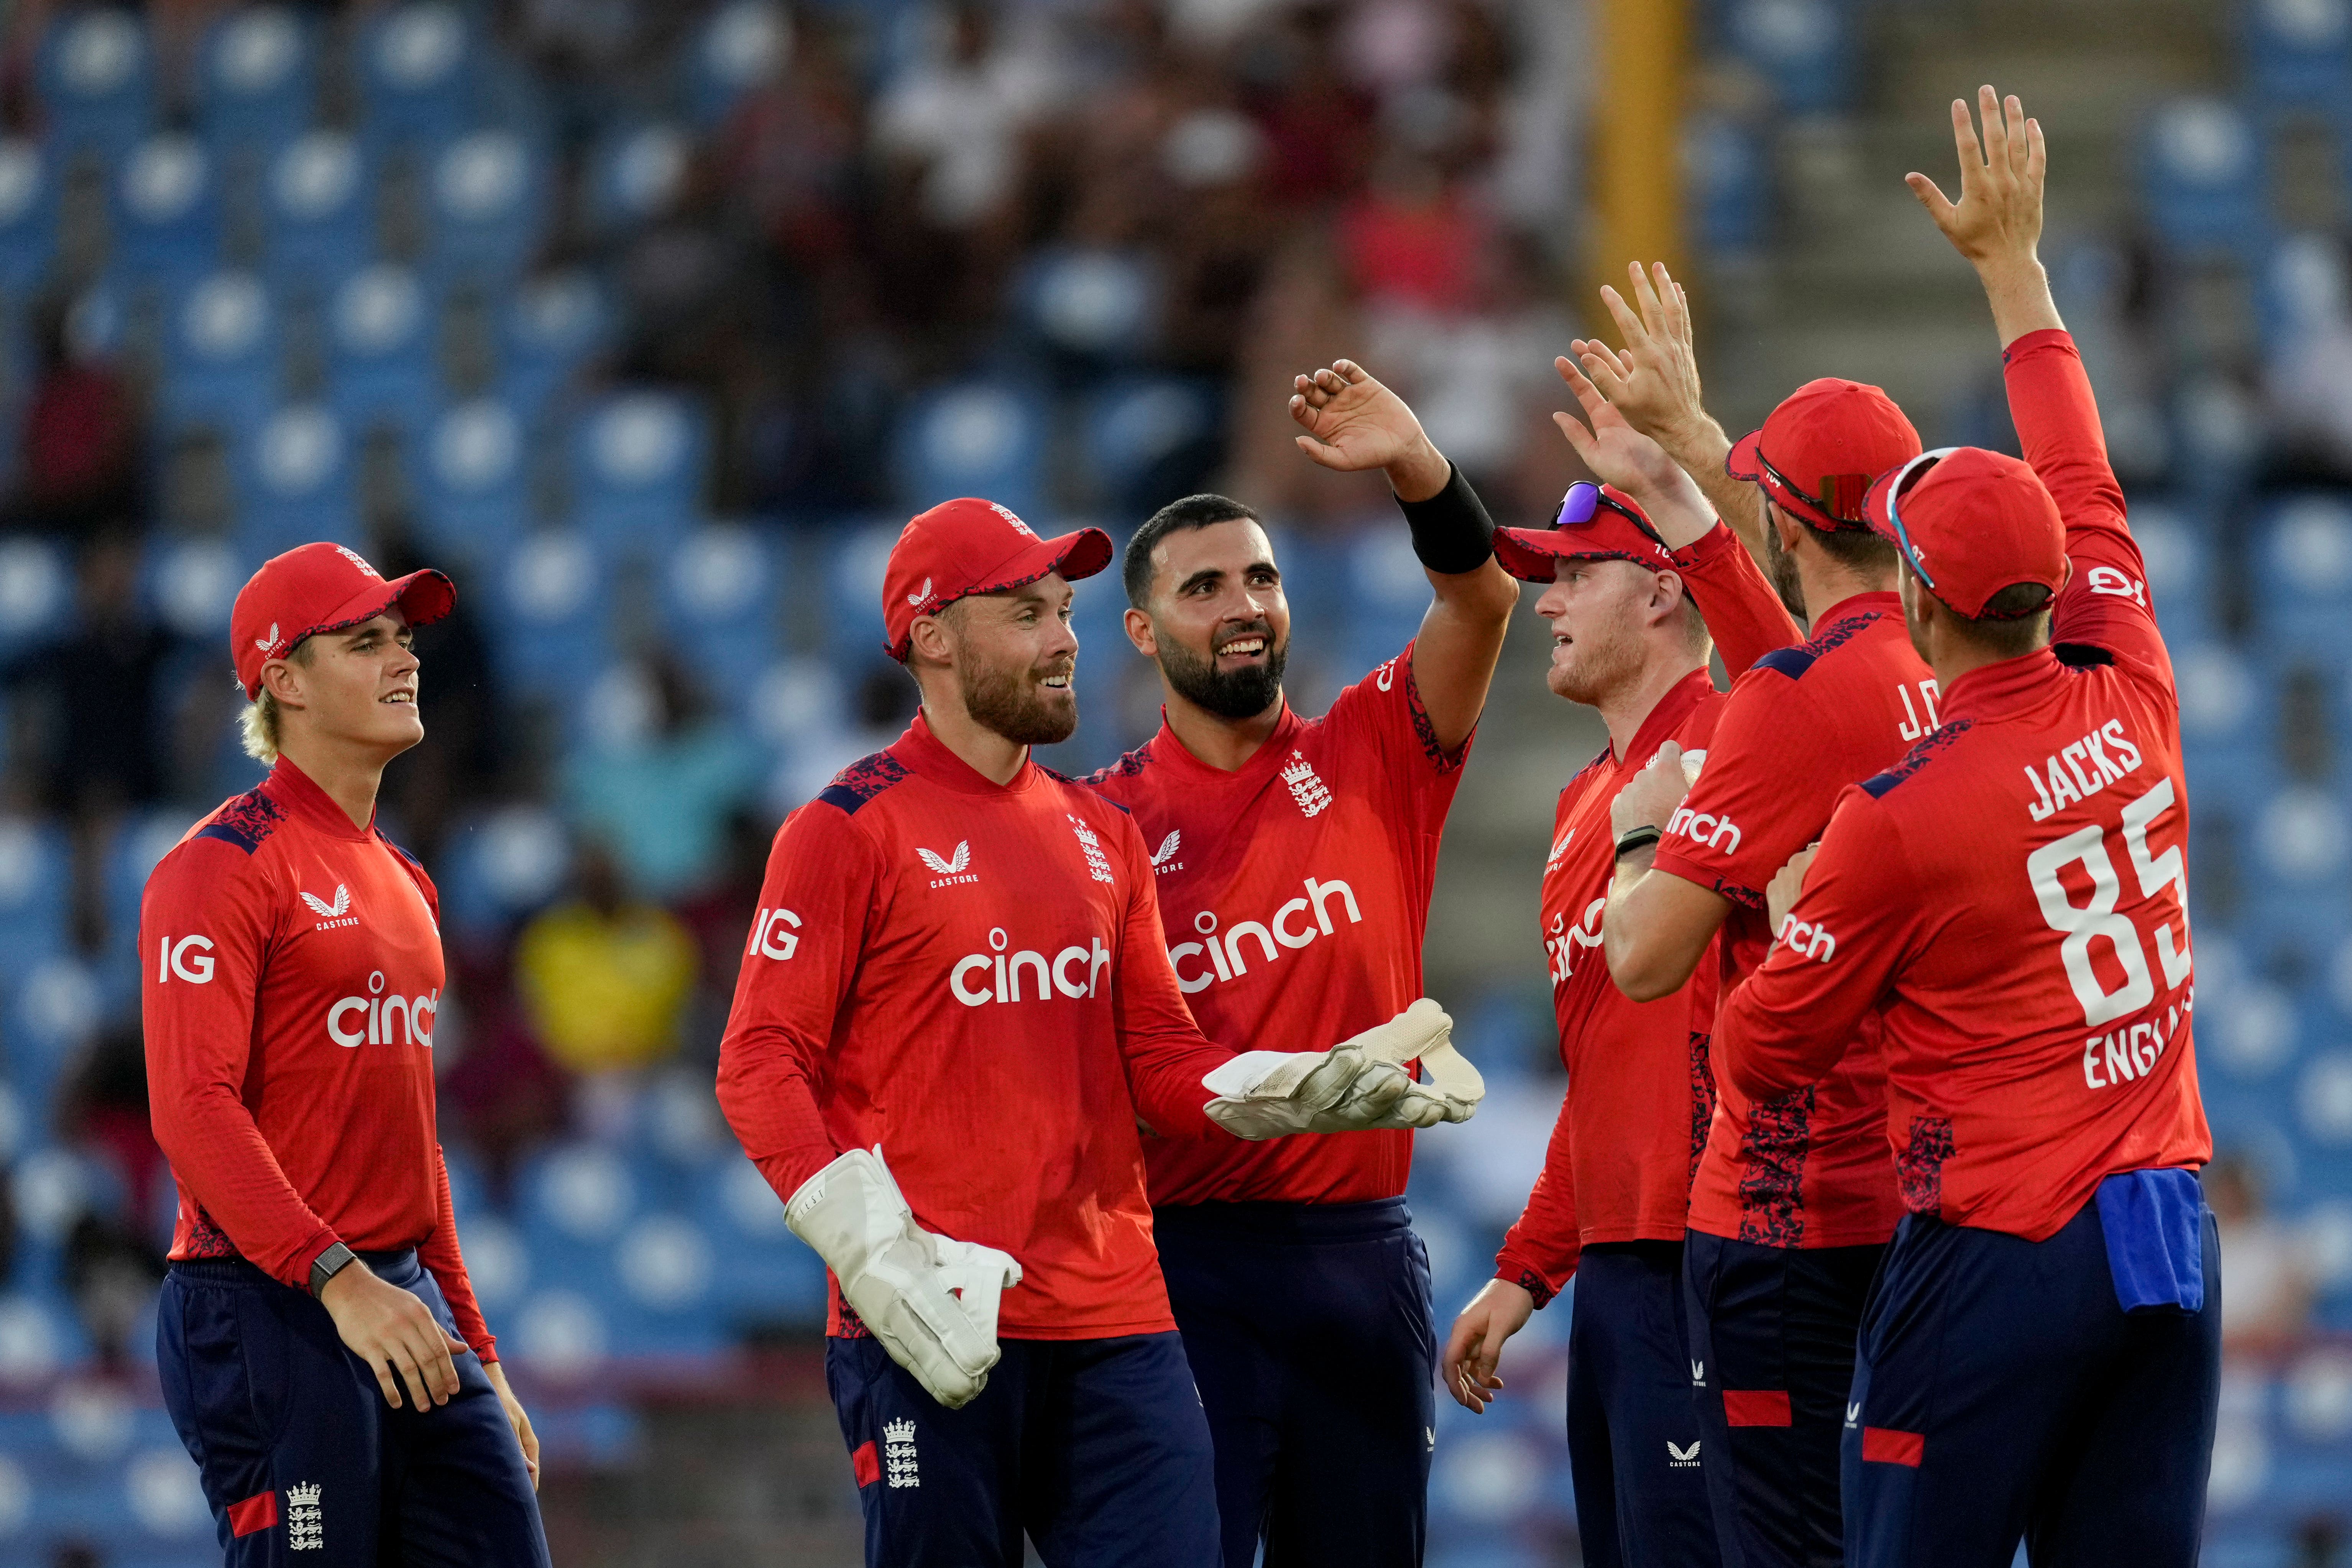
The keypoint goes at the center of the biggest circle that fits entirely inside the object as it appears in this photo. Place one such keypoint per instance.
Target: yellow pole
(1637, 138)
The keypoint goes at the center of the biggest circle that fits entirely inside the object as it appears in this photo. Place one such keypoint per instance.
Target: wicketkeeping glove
(931, 1301)
(1358, 1084)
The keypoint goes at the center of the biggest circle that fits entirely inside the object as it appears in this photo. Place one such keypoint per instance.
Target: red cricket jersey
(293, 972)
(1296, 891)
(1811, 1168)
(2013, 894)
(1639, 1091)
(972, 975)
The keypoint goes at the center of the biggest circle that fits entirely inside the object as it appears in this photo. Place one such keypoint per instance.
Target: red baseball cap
(966, 546)
(316, 588)
(1596, 523)
(1968, 523)
(1820, 448)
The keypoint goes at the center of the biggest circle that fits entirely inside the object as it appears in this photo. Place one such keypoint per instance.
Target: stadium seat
(487, 192)
(771, 1278)
(797, 705)
(552, 601)
(2203, 179)
(1145, 437)
(416, 66)
(295, 470)
(553, 324)
(36, 894)
(1389, 593)
(742, 45)
(191, 584)
(221, 351)
(978, 438)
(638, 463)
(499, 865)
(1095, 305)
(380, 338)
(95, 72)
(667, 1266)
(719, 600)
(1803, 50)
(2298, 55)
(634, 175)
(473, 479)
(28, 215)
(257, 75)
(167, 210)
(2305, 566)
(562, 1336)
(2179, 556)
(35, 593)
(58, 1002)
(316, 196)
(139, 842)
(1728, 186)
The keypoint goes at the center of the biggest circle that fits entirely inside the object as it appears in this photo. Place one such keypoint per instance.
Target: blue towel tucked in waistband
(2154, 1222)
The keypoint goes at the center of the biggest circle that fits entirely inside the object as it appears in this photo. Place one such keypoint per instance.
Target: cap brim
(1532, 554)
(1077, 554)
(423, 597)
(1746, 458)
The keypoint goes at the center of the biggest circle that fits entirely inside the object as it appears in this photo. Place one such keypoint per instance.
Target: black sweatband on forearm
(1452, 533)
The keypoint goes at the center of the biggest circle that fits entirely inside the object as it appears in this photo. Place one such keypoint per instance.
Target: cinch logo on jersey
(2082, 770)
(772, 934)
(1806, 939)
(950, 867)
(1565, 939)
(189, 958)
(1293, 926)
(980, 978)
(1703, 828)
(368, 1020)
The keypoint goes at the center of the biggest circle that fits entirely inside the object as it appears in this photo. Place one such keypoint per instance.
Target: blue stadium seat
(1092, 303)
(96, 74)
(552, 603)
(978, 438)
(295, 470)
(1390, 591)
(2298, 55)
(316, 194)
(1728, 182)
(1136, 429)
(667, 1266)
(257, 75)
(740, 47)
(473, 479)
(380, 324)
(416, 67)
(498, 865)
(1802, 48)
(2178, 555)
(35, 593)
(581, 1192)
(36, 896)
(2304, 292)
(138, 843)
(638, 463)
(2203, 179)
(221, 352)
(487, 190)
(719, 600)
(798, 705)
(28, 212)
(2226, 703)
(635, 172)
(553, 324)
(191, 584)
(771, 1275)
(167, 210)
(2306, 568)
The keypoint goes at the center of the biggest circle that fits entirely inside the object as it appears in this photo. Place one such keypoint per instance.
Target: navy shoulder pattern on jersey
(246, 821)
(1062, 778)
(1917, 757)
(861, 781)
(1797, 658)
(1127, 767)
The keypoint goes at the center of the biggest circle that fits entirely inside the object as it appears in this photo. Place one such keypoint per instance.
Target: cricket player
(956, 1025)
(2039, 1355)
(1795, 1198)
(321, 1349)
(1627, 572)
(1295, 858)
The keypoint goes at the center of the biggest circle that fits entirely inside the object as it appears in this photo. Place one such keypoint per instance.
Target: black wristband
(329, 1264)
(1637, 839)
(1451, 530)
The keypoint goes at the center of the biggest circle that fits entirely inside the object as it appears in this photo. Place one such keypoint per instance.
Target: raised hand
(1352, 423)
(1608, 442)
(1654, 381)
(1998, 214)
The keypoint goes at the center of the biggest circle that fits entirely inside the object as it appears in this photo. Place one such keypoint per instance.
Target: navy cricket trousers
(2001, 1393)
(1310, 1329)
(1095, 1449)
(1636, 1453)
(1772, 1351)
(304, 1464)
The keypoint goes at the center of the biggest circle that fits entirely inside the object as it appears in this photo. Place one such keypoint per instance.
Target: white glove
(903, 1280)
(1358, 1084)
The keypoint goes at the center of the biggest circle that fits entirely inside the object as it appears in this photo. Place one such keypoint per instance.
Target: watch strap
(329, 1264)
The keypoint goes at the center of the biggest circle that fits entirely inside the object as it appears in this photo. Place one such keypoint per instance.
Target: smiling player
(322, 1352)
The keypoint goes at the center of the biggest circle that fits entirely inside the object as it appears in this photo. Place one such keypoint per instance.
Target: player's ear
(283, 681)
(931, 639)
(1141, 632)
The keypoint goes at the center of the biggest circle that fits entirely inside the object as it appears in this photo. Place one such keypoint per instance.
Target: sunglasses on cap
(1836, 489)
(1910, 474)
(1584, 500)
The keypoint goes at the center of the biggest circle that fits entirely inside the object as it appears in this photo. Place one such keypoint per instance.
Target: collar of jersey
(928, 756)
(1271, 752)
(1998, 690)
(1877, 599)
(294, 789)
(1667, 717)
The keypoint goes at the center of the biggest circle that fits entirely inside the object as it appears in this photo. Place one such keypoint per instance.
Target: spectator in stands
(659, 794)
(2266, 1305)
(100, 689)
(606, 977)
(461, 757)
(717, 915)
(104, 1110)
(79, 453)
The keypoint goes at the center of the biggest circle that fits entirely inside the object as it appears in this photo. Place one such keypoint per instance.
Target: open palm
(1615, 451)
(1352, 422)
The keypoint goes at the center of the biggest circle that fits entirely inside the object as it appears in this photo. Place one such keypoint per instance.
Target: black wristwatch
(329, 1264)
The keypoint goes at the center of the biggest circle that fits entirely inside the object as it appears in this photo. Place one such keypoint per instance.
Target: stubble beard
(1013, 701)
(1780, 568)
